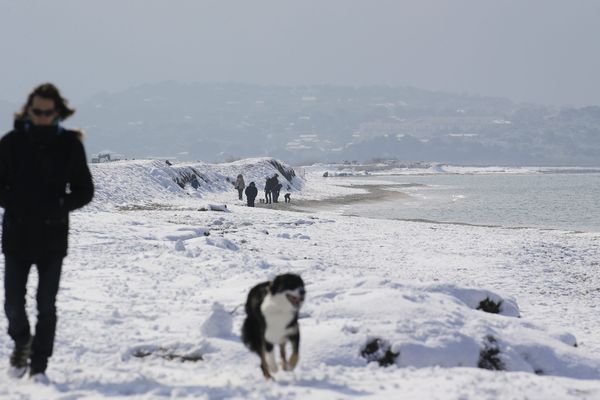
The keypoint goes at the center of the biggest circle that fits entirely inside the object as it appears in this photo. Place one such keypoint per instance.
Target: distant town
(307, 124)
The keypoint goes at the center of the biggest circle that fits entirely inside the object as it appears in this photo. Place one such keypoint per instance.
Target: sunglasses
(43, 113)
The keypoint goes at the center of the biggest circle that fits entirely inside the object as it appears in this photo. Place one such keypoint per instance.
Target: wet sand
(375, 193)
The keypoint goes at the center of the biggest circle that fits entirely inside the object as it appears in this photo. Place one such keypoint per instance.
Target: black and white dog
(272, 319)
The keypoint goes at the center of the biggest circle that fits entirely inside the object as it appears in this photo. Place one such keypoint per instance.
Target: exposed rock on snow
(379, 350)
(489, 355)
(490, 306)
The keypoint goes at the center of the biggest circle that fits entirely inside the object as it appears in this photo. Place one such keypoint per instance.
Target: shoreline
(375, 193)
(378, 193)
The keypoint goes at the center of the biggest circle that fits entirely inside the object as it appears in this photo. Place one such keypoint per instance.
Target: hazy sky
(542, 51)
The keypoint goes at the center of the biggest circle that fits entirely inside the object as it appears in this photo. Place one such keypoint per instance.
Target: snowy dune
(152, 297)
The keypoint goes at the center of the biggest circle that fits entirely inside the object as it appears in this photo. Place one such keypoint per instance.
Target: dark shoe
(37, 365)
(19, 359)
(39, 377)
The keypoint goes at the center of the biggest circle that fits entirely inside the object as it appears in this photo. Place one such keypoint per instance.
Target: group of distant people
(272, 190)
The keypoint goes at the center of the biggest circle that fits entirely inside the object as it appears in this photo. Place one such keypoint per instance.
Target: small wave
(458, 223)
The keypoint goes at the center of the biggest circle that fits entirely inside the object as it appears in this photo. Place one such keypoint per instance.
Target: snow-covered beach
(154, 276)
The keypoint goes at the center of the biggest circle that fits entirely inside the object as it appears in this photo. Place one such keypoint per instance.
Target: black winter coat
(251, 192)
(43, 176)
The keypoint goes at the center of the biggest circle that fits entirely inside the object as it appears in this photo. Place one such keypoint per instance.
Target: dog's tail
(251, 335)
(253, 329)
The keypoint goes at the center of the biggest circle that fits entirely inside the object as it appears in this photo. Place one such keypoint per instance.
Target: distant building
(106, 156)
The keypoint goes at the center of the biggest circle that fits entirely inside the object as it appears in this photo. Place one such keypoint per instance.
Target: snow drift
(147, 182)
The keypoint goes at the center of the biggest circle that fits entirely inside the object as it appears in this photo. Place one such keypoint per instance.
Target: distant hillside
(216, 122)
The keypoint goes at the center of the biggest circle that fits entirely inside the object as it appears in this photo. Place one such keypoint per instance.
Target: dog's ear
(274, 286)
(277, 284)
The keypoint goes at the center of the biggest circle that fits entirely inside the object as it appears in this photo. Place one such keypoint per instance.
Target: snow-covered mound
(439, 326)
(148, 182)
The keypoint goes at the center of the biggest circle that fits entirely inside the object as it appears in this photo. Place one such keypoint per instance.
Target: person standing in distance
(240, 185)
(251, 193)
(43, 176)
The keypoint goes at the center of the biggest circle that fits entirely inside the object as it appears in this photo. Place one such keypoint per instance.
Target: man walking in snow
(43, 176)
(251, 193)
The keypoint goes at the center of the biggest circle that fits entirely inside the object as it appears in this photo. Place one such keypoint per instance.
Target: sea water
(554, 200)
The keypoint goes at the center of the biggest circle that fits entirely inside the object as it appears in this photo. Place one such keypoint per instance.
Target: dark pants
(267, 197)
(250, 201)
(16, 272)
(240, 191)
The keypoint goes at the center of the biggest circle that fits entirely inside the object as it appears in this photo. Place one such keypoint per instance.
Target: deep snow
(152, 297)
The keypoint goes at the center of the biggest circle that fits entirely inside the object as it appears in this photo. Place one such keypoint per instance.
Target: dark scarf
(39, 134)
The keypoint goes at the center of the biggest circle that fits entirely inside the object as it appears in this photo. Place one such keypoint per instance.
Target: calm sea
(568, 201)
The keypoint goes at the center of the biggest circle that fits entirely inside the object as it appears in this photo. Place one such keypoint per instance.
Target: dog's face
(291, 286)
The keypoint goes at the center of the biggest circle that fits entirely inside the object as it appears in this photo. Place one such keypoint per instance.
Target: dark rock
(489, 355)
(379, 350)
(490, 306)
